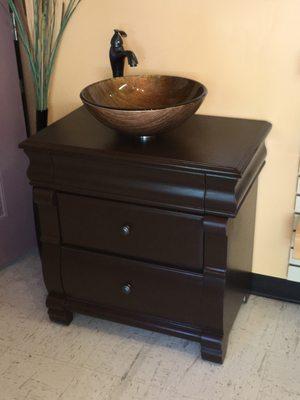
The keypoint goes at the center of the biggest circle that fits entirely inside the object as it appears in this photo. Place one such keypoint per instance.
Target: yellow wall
(247, 53)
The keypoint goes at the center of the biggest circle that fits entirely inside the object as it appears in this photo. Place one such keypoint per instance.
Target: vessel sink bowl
(143, 105)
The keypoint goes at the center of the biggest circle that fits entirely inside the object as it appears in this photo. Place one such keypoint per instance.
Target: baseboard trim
(275, 288)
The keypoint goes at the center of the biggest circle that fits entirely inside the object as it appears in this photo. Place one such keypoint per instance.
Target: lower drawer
(132, 285)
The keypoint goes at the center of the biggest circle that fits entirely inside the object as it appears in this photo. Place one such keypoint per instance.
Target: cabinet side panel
(240, 233)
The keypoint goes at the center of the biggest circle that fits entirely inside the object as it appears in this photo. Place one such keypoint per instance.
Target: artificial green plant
(40, 25)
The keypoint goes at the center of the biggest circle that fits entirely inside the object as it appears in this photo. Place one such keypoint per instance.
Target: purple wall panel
(16, 216)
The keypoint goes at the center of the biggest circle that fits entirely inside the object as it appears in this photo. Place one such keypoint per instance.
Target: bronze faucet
(117, 54)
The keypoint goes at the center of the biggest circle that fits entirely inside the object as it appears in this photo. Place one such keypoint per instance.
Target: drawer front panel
(132, 182)
(115, 282)
(171, 238)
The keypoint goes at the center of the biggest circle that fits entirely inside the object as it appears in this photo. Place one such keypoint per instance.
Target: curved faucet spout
(131, 57)
(117, 54)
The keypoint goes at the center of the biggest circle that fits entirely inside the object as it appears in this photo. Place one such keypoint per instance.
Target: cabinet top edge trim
(181, 165)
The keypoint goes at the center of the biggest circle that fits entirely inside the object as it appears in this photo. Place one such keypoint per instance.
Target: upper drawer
(167, 237)
(138, 183)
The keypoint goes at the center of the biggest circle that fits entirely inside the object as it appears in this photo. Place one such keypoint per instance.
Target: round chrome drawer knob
(126, 289)
(125, 230)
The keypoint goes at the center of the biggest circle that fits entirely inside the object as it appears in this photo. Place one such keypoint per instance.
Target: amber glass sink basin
(143, 105)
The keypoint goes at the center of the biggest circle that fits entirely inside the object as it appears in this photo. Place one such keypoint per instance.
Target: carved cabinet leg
(245, 298)
(64, 317)
(50, 251)
(57, 309)
(213, 348)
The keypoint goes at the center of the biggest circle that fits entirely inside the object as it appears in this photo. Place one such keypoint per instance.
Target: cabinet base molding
(213, 345)
(65, 306)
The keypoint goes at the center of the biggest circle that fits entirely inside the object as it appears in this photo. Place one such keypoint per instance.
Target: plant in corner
(40, 25)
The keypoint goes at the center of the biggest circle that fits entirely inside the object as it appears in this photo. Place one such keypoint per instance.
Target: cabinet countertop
(206, 143)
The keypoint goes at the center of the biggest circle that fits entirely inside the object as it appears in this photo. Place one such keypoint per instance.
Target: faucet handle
(122, 33)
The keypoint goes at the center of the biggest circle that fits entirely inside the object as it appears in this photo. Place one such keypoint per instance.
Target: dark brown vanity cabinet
(158, 234)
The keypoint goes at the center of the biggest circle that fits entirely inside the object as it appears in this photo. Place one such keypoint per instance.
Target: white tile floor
(93, 359)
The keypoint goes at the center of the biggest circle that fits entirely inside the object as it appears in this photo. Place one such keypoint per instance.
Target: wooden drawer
(128, 181)
(171, 238)
(115, 282)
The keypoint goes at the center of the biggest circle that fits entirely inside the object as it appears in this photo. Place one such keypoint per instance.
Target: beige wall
(247, 53)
